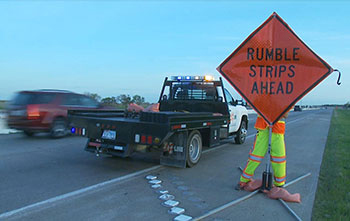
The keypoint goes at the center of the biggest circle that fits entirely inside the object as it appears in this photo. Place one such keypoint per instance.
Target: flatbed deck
(191, 114)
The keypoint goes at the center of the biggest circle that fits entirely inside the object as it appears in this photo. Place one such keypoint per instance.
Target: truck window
(193, 91)
(229, 98)
(220, 93)
(166, 93)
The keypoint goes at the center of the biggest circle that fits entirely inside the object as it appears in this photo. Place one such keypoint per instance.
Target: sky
(129, 47)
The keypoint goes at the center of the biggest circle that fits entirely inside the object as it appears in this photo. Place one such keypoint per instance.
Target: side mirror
(220, 99)
(233, 102)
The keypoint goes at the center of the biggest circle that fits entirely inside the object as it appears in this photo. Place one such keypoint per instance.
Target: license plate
(118, 148)
(109, 134)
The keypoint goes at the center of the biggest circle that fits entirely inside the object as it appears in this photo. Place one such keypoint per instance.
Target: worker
(278, 152)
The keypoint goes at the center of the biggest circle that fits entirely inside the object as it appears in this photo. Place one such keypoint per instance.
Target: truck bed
(93, 122)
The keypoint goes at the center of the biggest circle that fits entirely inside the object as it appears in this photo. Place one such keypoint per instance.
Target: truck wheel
(58, 128)
(194, 148)
(241, 133)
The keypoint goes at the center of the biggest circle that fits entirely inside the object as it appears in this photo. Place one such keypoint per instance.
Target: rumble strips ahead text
(268, 79)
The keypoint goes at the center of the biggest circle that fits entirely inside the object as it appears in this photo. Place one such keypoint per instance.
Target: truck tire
(58, 128)
(194, 148)
(241, 133)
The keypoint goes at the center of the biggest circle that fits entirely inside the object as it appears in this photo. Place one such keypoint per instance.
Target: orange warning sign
(273, 69)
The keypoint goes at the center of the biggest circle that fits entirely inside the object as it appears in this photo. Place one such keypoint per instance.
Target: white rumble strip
(169, 201)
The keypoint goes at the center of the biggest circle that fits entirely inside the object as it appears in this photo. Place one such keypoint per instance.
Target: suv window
(88, 102)
(79, 100)
(70, 100)
(32, 98)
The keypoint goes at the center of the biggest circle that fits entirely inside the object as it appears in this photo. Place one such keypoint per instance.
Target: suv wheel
(59, 128)
(28, 133)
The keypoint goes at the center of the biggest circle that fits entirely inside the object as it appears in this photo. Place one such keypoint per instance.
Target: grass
(332, 200)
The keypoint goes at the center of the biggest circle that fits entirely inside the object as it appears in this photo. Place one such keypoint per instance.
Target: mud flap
(175, 150)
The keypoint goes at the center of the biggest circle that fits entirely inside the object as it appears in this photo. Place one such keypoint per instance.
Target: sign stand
(267, 174)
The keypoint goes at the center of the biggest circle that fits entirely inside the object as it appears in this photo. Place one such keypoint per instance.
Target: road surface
(51, 179)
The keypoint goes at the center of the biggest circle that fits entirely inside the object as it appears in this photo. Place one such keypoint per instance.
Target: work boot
(240, 186)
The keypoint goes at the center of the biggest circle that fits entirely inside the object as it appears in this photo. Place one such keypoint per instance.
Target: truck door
(234, 124)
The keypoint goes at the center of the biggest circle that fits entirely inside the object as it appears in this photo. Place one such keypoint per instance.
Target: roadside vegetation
(332, 200)
(121, 101)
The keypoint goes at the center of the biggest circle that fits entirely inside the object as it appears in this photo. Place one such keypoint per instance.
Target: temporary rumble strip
(25, 209)
(219, 209)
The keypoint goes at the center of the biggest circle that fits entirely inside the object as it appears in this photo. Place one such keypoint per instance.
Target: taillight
(149, 139)
(143, 139)
(33, 112)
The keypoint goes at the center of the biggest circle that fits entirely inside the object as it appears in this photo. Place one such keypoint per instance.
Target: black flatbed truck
(191, 114)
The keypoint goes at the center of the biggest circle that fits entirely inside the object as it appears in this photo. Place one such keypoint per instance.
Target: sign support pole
(267, 174)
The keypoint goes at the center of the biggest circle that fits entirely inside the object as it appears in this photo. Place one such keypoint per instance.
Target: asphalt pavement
(55, 179)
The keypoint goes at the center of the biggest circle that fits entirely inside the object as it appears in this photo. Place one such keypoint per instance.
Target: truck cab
(204, 94)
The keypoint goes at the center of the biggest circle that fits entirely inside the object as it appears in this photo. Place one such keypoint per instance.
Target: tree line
(121, 100)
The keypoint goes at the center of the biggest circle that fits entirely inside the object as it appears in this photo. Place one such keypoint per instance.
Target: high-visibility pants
(278, 151)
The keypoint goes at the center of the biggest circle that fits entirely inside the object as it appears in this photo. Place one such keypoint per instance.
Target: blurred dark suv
(45, 110)
(297, 108)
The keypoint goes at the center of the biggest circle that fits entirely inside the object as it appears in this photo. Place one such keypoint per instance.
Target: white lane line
(75, 193)
(296, 120)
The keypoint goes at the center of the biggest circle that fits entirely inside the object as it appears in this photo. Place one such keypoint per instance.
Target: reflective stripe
(280, 179)
(279, 162)
(257, 161)
(247, 176)
(278, 159)
(261, 157)
(255, 158)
